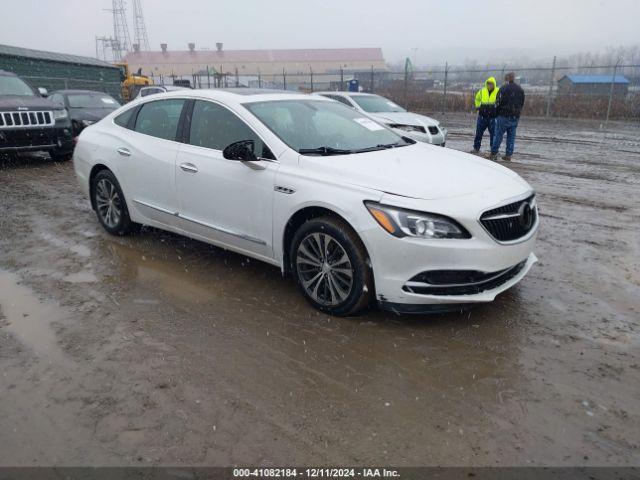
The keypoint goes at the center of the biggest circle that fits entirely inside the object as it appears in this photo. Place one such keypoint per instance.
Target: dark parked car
(30, 122)
(85, 107)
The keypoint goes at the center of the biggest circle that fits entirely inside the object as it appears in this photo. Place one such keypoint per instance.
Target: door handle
(189, 167)
(124, 152)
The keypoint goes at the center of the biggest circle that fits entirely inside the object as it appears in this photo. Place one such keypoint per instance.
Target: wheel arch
(298, 219)
(97, 168)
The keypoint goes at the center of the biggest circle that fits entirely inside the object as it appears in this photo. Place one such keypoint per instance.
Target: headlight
(86, 123)
(408, 223)
(60, 114)
(407, 128)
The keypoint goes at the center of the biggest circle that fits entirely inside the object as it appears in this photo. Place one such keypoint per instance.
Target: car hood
(15, 102)
(405, 118)
(419, 171)
(93, 114)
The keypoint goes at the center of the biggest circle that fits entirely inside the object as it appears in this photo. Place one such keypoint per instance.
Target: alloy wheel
(108, 203)
(324, 269)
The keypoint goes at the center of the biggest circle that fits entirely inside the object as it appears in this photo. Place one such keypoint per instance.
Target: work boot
(492, 156)
(507, 158)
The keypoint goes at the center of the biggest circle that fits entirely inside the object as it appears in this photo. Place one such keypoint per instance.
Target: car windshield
(14, 86)
(376, 104)
(316, 127)
(89, 100)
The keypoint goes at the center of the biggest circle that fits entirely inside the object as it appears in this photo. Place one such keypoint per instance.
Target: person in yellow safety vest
(485, 104)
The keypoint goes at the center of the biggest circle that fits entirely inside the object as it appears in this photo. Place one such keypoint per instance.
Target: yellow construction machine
(131, 82)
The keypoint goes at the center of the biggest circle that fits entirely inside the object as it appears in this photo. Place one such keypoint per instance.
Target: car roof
(166, 87)
(238, 95)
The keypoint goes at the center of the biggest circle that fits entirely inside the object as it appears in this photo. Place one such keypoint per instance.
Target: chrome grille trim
(23, 119)
(501, 222)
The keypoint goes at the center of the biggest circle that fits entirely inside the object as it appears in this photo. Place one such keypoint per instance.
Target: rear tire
(331, 267)
(110, 205)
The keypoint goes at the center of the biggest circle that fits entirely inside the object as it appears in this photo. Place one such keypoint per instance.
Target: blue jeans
(482, 124)
(508, 125)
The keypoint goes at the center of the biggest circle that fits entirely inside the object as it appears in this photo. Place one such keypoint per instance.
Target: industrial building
(593, 85)
(251, 62)
(55, 71)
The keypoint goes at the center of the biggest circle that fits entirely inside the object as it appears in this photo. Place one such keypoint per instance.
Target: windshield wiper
(324, 151)
(382, 146)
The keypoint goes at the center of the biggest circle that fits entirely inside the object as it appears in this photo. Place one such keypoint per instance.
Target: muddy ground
(157, 349)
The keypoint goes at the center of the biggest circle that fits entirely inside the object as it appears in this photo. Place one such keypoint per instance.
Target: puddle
(29, 318)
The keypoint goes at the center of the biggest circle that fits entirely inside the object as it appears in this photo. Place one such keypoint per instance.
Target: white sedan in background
(419, 127)
(353, 211)
(155, 89)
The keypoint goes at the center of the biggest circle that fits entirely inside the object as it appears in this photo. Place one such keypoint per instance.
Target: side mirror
(43, 92)
(242, 150)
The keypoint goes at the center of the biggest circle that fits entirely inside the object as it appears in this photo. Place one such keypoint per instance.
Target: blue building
(593, 85)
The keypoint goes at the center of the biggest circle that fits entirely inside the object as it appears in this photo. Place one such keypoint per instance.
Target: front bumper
(396, 261)
(34, 139)
(421, 304)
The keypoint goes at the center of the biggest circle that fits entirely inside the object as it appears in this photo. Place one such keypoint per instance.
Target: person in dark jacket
(509, 103)
(485, 103)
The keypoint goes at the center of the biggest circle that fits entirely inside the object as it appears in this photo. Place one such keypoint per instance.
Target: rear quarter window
(124, 118)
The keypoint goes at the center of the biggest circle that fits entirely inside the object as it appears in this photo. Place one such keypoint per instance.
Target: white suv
(419, 127)
(353, 211)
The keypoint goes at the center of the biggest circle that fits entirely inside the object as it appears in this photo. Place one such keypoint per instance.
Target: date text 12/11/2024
(315, 473)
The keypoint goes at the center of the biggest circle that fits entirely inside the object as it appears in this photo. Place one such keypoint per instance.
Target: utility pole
(553, 74)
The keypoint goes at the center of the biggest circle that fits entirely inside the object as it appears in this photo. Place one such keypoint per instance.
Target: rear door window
(160, 118)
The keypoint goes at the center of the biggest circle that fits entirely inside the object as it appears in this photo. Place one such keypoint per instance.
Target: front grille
(513, 221)
(434, 130)
(26, 119)
(408, 128)
(460, 282)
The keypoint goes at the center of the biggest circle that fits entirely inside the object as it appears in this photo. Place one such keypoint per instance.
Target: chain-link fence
(590, 91)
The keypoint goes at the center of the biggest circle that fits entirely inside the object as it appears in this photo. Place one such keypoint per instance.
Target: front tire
(331, 267)
(110, 205)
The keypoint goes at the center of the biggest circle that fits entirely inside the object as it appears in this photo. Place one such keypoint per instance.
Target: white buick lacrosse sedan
(353, 211)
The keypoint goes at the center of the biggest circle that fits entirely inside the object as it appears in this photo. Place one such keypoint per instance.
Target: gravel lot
(156, 349)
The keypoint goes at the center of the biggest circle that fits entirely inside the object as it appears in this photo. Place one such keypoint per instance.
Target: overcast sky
(430, 31)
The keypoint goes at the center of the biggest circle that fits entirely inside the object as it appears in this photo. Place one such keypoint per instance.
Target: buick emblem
(525, 215)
